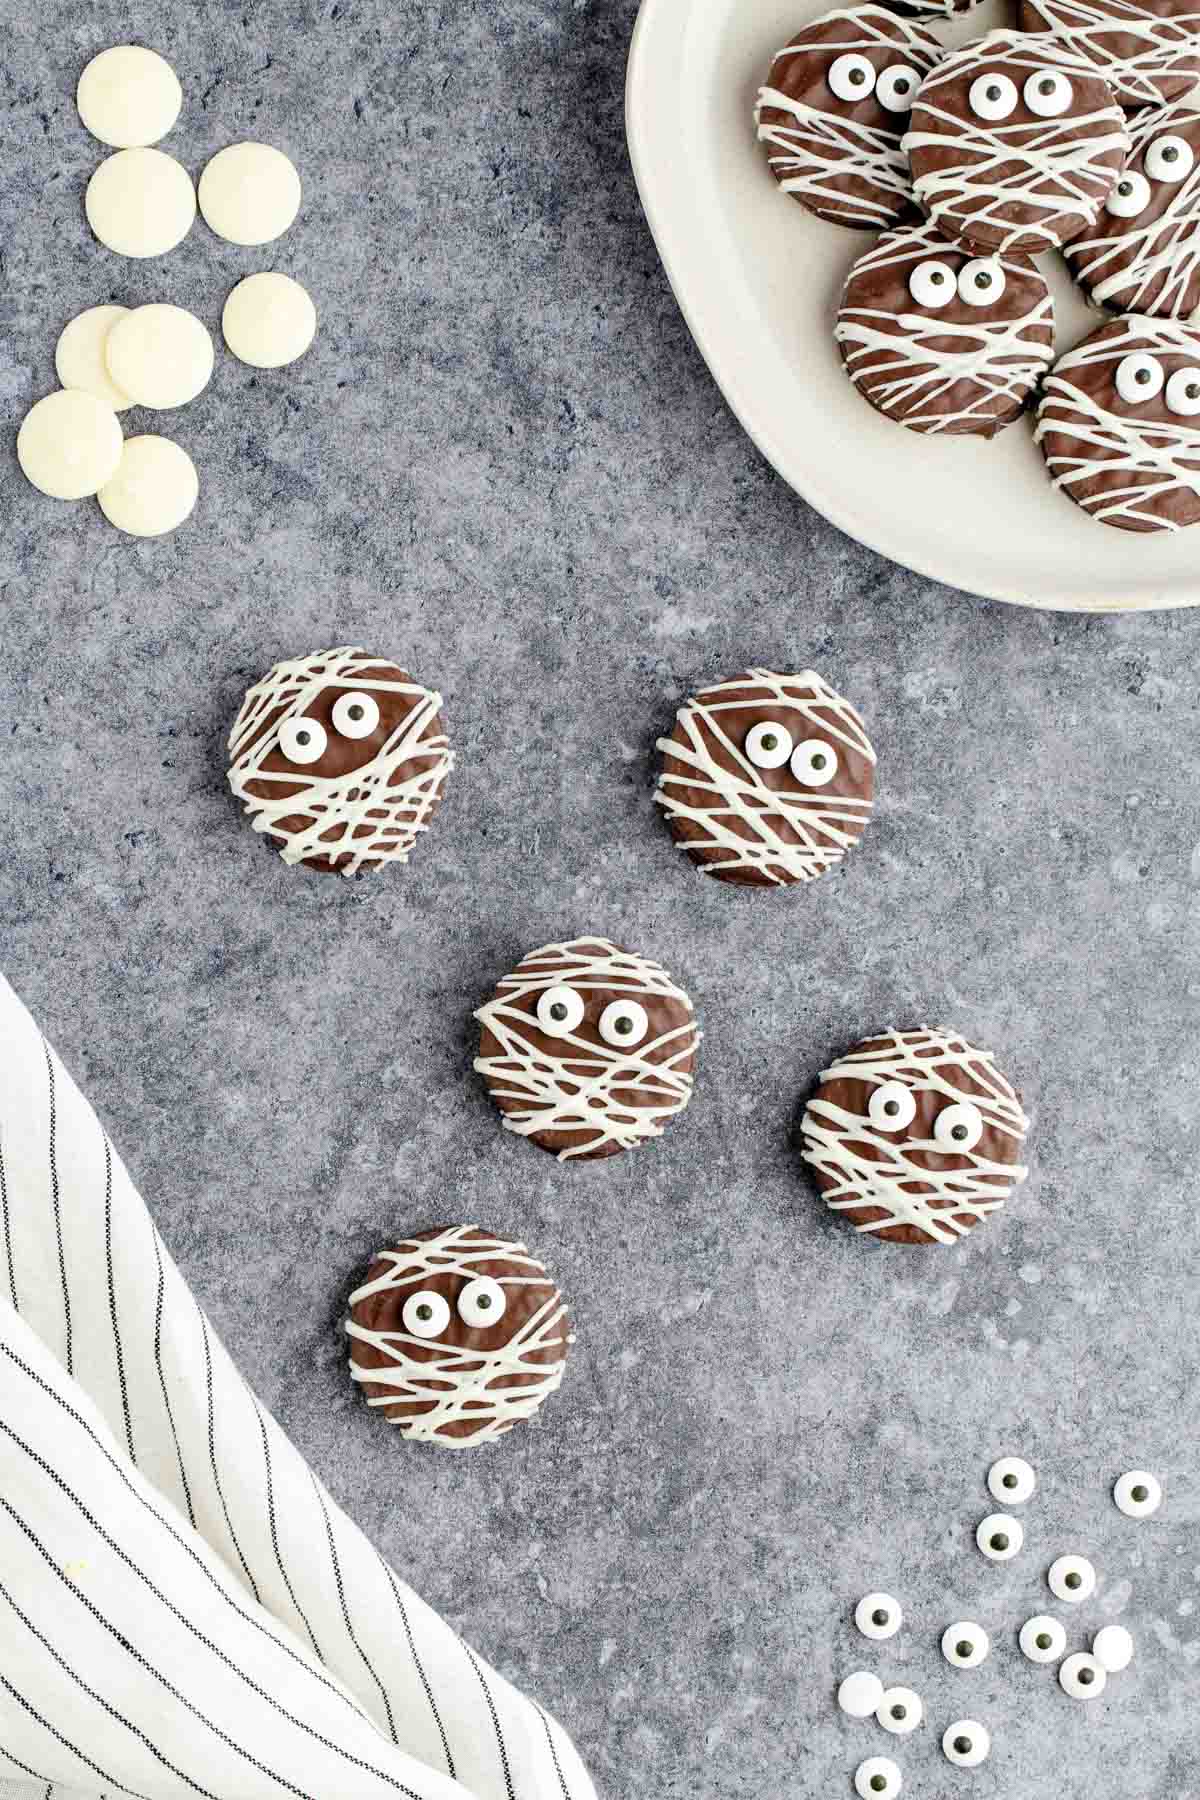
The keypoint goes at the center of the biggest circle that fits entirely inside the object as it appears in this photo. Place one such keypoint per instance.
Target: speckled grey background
(504, 462)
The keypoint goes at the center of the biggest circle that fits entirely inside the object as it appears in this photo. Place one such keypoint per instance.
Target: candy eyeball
(958, 1126)
(965, 1644)
(302, 741)
(878, 1778)
(482, 1303)
(900, 1711)
(623, 1022)
(1169, 158)
(1082, 1676)
(1042, 1639)
(982, 281)
(999, 1537)
(1112, 1648)
(355, 715)
(932, 284)
(1139, 377)
(878, 1616)
(891, 1106)
(966, 1743)
(1138, 1494)
(768, 745)
(1071, 1578)
(852, 77)
(1183, 393)
(1048, 94)
(559, 1011)
(897, 86)
(814, 763)
(426, 1314)
(992, 97)
(1130, 197)
(860, 1694)
(1011, 1480)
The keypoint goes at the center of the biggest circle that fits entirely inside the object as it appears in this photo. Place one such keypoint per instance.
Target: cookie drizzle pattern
(463, 1382)
(1160, 457)
(821, 152)
(1055, 166)
(828, 824)
(886, 1180)
(1166, 60)
(1165, 277)
(578, 1088)
(343, 804)
(1003, 357)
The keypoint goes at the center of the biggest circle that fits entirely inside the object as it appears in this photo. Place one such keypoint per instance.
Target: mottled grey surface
(504, 463)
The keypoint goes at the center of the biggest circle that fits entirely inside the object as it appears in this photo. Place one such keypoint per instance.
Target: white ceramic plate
(757, 278)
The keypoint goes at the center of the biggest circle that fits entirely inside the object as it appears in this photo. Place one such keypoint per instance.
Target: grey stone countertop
(504, 462)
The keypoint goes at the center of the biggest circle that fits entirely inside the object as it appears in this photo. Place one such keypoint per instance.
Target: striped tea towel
(183, 1608)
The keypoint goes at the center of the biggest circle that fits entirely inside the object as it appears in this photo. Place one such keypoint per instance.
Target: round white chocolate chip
(878, 1778)
(1071, 1578)
(1138, 1494)
(1112, 1648)
(966, 1743)
(860, 1694)
(965, 1644)
(161, 355)
(1082, 1676)
(69, 444)
(1011, 1480)
(140, 202)
(269, 320)
(1042, 1639)
(128, 97)
(154, 488)
(900, 1710)
(878, 1616)
(249, 193)
(79, 355)
(999, 1537)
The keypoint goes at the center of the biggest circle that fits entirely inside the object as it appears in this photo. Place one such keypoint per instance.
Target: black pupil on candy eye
(899, 1712)
(993, 93)
(303, 737)
(1140, 1493)
(483, 1302)
(355, 712)
(624, 1026)
(857, 77)
(879, 1784)
(770, 741)
(962, 1649)
(1043, 1640)
(1192, 390)
(963, 1746)
(1142, 376)
(1000, 1541)
(879, 1617)
(1170, 154)
(1073, 1580)
(558, 1011)
(958, 1133)
(1010, 1481)
(424, 1312)
(891, 1108)
(983, 280)
(818, 761)
(1046, 87)
(1125, 187)
(1086, 1678)
(936, 277)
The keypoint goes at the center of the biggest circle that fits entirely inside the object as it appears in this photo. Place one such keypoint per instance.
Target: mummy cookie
(340, 758)
(1143, 253)
(457, 1336)
(914, 1136)
(767, 780)
(1013, 144)
(833, 109)
(1119, 424)
(1147, 50)
(587, 1049)
(942, 339)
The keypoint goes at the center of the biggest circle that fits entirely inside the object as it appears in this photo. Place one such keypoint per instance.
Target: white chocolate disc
(965, 1644)
(1082, 1676)
(1042, 1626)
(999, 1537)
(1112, 1648)
(154, 488)
(1138, 1494)
(878, 1778)
(128, 97)
(69, 444)
(140, 202)
(161, 355)
(79, 355)
(900, 1711)
(1071, 1578)
(1011, 1480)
(860, 1694)
(249, 193)
(966, 1743)
(878, 1616)
(269, 320)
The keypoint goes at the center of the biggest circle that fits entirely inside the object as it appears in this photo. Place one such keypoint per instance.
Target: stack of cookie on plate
(1078, 133)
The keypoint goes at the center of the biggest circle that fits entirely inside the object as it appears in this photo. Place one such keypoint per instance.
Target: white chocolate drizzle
(817, 155)
(464, 1383)
(870, 1168)
(1058, 167)
(914, 366)
(1144, 56)
(825, 822)
(1158, 457)
(1151, 267)
(371, 815)
(583, 1085)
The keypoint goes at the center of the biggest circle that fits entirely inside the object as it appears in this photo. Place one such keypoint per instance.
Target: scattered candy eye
(1139, 377)
(426, 1315)
(302, 740)
(559, 1011)
(1138, 1494)
(992, 97)
(900, 1710)
(1130, 197)
(1183, 393)
(982, 281)
(878, 1778)
(768, 746)
(814, 763)
(896, 87)
(1042, 1639)
(1071, 1578)
(624, 1022)
(355, 715)
(965, 1644)
(482, 1302)
(1169, 158)
(966, 1743)
(1048, 94)
(1011, 1480)
(1082, 1676)
(891, 1106)
(932, 285)
(1112, 1648)
(852, 77)
(999, 1537)
(860, 1694)
(958, 1126)
(878, 1616)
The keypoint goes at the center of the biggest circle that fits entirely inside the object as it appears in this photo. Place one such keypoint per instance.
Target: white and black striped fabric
(183, 1608)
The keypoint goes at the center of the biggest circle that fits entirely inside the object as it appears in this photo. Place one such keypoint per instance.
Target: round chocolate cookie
(942, 339)
(1146, 50)
(1143, 253)
(341, 759)
(767, 779)
(457, 1336)
(1013, 144)
(588, 1049)
(833, 111)
(914, 1136)
(1119, 424)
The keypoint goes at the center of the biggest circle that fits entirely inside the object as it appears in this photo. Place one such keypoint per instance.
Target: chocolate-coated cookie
(942, 339)
(1014, 145)
(1146, 50)
(914, 1136)
(833, 110)
(1143, 253)
(457, 1336)
(340, 759)
(767, 779)
(588, 1049)
(1119, 424)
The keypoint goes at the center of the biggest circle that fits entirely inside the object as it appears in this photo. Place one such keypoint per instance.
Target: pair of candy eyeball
(305, 740)
(1071, 1578)
(623, 1023)
(892, 1107)
(878, 1778)
(1047, 93)
(814, 763)
(878, 1616)
(1169, 158)
(966, 1743)
(481, 1304)
(1012, 1480)
(1138, 1494)
(965, 1644)
(999, 1537)
(980, 282)
(853, 77)
(1140, 377)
